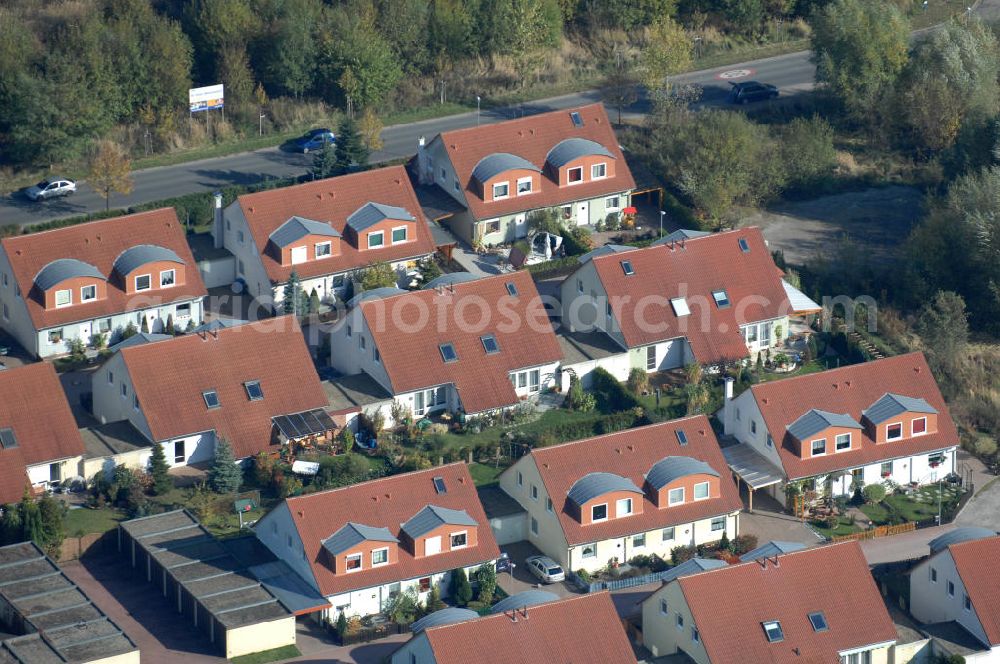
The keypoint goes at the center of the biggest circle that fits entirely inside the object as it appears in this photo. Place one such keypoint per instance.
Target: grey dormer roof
(500, 162)
(370, 214)
(447, 616)
(374, 294)
(219, 324)
(297, 228)
(135, 257)
(352, 534)
(62, 269)
(959, 535)
(139, 339)
(523, 599)
(592, 485)
(771, 549)
(891, 405)
(450, 278)
(681, 234)
(670, 468)
(604, 251)
(432, 517)
(814, 421)
(692, 566)
(573, 148)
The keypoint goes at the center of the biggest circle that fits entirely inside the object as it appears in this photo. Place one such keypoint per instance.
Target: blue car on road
(315, 139)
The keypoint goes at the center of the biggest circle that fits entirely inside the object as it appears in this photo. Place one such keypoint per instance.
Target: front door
(85, 330)
(582, 214)
(520, 226)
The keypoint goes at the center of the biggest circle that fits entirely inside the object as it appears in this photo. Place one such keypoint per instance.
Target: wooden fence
(878, 531)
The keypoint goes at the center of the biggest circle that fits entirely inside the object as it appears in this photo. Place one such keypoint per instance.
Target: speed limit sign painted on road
(734, 74)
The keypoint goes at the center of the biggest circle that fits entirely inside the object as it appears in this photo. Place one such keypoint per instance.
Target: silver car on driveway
(50, 188)
(546, 569)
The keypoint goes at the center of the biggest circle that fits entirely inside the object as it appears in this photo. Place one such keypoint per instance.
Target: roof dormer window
(524, 185)
(627, 268)
(323, 249)
(818, 621)
(490, 344)
(501, 190)
(599, 513)
(254, 390)
(376, 239)
(773, 631)
(675, 496)
(142, 282)
(7, 439)
(894, 431)
(167, 278)
(721, 298)
(448, 353)
(574, 175)
(88, 293)
(598, 171)
(64, 298)
(211, 398)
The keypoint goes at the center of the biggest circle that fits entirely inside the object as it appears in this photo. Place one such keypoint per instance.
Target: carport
(754, 470)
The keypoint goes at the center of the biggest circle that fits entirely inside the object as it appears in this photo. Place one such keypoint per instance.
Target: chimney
(217, 223)
(425, 175)
(727, 408)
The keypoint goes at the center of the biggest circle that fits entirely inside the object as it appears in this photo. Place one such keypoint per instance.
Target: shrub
(743, 543)
(611, 396)
(724, 543)
(683, 553)
(638, 381)
(583, 575)
(873, 493)
(486, 578)
(461, 589)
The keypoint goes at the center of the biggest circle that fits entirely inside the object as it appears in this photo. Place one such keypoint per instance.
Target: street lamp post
(260, 124)
(477, 110)
(663, 213)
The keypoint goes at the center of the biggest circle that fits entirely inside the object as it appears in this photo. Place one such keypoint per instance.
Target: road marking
(735, 73)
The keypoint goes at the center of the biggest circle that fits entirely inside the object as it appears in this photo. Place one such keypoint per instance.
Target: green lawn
(85, 521)
(922, 505)
(844, 528)
(548, 419)
(264, 656)
(813, 366)
(484, 474)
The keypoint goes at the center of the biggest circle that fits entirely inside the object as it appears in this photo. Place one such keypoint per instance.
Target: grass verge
(264, 656)
(85, 521)
(485, 475)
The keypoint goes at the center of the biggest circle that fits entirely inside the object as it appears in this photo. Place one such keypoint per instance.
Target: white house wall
(16, 322)
(550, 539)
(109, 404)
(415, 651)
(368, 601)
(249, 266)
(617, 365)
(929, 600)
(659, 629)
(277, 532)
(41, 474)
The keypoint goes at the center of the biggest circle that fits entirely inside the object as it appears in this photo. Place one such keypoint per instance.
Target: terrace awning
(756, 471)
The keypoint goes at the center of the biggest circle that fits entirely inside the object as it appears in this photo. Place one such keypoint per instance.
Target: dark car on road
(315, 139)
(748, 91)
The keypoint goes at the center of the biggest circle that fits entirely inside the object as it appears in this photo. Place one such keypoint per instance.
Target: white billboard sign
(205, 99)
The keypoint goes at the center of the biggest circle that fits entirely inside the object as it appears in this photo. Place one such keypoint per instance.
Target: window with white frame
(167, 278)
(918, 426)
(589, 551)
(548, 504)
(55, 336)
(751, 334)
(353, 562)
(324, 249)
(534, 492)
(534, 526)
(501, 190)
(491, 226)
(668, 534)
(765, 334)
(534, 380)
(966, 602)
(718, 523)
(818, 447)
(664, 607)
(695, 636)
(88, 293)
(376, 239)
(239, 236)
(680, 307)
(675, 496)
(598, 171)
(639, 541)
(142, 282)
(380, 557)
(64, 298)
(753, 426)
(886, 469)
(459, 540)
(300, 255)
(773, 631)
(612, 203)
(721, 298)
(623, 507)
(701, 491)
(574, 175)
(650, 358)
(933, 575)
(524, 185)
(894, 431)
(951, 589)
(680, 622)
(599, 512)
(843, 442)
(399, 234)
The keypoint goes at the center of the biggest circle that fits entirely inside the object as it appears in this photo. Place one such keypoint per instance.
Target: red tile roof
(410, 351)
(388, 503)
(170, 377)
(531, 138)
(631, 454)
(332, 201)
(99, 243)
(574, 631)
(851, 390)
(730, 603)
(694, 270)
(33, 404)
(976, 564)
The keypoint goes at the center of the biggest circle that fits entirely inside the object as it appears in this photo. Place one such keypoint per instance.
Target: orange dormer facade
(510, 184)
(686, 489)
(902, 427)
(154, 276)
(584, 169)
(444, 538)
(386, 233)
(310, 248)
(365, 556)
(74, 291)
(828, 441)
(611, 505)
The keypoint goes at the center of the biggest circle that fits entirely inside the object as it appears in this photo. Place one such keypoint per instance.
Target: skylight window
(254, 391)
(511, 289)
(490, 344)
(818, 621)
(772, 629)
(211, 398)
(682, 437)
(7, 438)
(577, 120)
(721, 298)
(439, 485)
(627, 268)
(448, 353)
(680, 306)
(744, 245)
